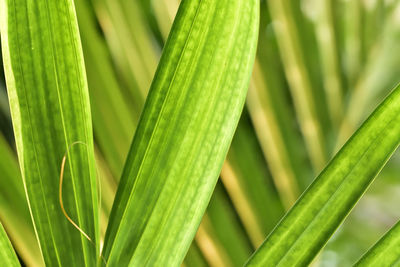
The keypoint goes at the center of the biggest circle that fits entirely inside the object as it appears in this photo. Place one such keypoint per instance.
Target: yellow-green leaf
(49, 103)
(386, 252)
(184, 132)
(323, 206)
(7, 253)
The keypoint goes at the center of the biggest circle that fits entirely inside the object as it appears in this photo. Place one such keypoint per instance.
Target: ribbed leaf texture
(184, 133)
(49, 103)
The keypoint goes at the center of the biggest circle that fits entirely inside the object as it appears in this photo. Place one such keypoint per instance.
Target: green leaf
(272, 116)
(14, 211)
(386, 252)
(114, 122)
(326, 37)
(324, 205)
(184, 133)
(7, 254)
(194, 258)
(131, 46)
(247, 181)
(382, 71)
(289, 32)
(50, 110)
(223, 226)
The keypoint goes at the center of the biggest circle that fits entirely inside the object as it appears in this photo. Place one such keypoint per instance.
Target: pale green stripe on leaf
(184, 133)
(299, 78)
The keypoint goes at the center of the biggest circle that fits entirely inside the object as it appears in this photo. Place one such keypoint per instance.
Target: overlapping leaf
(184, 133)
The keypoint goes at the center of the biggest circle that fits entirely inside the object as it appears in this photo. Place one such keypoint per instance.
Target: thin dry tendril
(60, 192)
(61, 200)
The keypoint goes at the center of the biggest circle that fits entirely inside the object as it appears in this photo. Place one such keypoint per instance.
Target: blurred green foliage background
(322, 66)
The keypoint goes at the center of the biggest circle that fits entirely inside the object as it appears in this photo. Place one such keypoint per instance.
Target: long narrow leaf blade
(113, 122)
(299, 78)
(49, 104)
(14, 211)
(386, 252)
(7, 254)
(224, 228)
(184, 133)
(321, 209)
